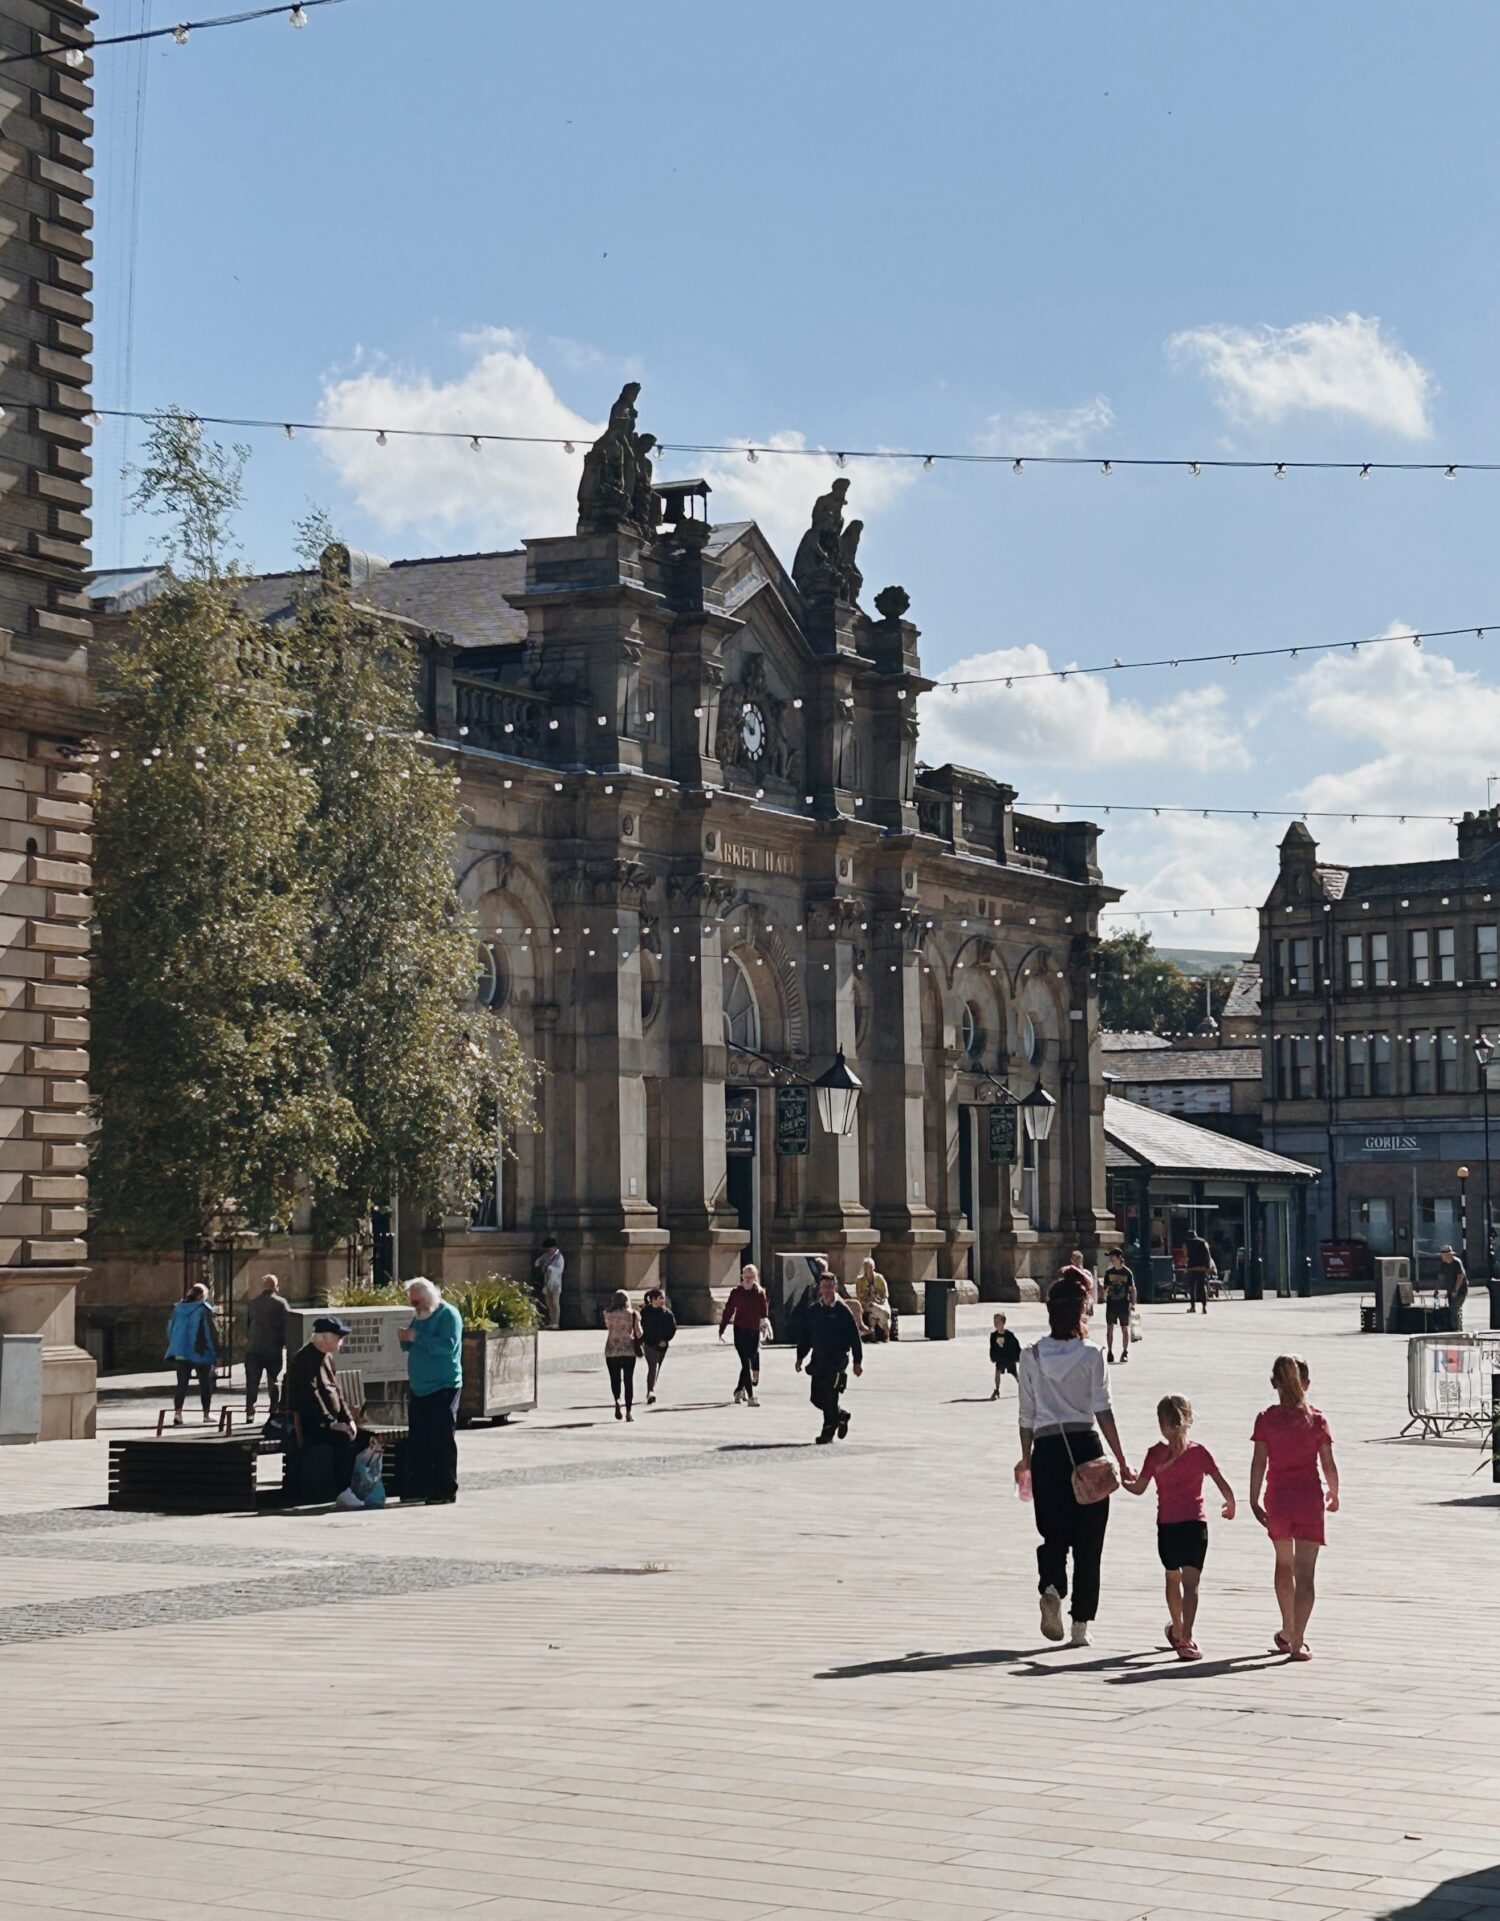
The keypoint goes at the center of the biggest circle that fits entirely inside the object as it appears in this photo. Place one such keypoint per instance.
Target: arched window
(741, 1015)
(971, 1027)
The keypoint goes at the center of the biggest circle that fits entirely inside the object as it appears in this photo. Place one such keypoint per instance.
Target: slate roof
(462, 596)
(1186, 1064)
(1409, 876)
(1244, 993)
(1122, 1043)
(1140, 1137)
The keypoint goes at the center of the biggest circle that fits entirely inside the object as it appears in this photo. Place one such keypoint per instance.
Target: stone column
(835, 1221)
(606, 1226)
(1084, 1209)
(900, 1210)
(706, 1241)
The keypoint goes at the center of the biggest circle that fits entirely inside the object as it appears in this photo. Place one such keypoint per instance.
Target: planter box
(500, 1375)
(371, 1349)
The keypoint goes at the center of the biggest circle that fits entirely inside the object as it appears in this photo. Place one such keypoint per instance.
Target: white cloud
(1077, 723)
(1432, 725)
(1338, 366)
(1185, 862)
(429, 491)
(1061, 430)
(433, 490)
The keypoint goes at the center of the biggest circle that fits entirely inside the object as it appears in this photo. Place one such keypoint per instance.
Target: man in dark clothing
(313, 1399)
(1453, 1280)
(658, 1329)
(830, 1333)
(265, 1342)
(1198, 1267)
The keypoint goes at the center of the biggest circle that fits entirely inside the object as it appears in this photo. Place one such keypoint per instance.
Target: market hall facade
(704, 860)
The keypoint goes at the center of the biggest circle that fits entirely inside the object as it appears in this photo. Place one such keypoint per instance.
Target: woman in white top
(1064, 1390)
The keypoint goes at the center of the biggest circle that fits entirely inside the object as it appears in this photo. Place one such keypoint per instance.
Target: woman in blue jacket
(191, 1344)
(434, 1343)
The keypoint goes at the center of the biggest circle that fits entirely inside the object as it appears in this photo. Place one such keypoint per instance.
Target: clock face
(753, 731)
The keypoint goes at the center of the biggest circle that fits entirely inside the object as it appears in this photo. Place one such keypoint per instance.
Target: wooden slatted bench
(175, 1474)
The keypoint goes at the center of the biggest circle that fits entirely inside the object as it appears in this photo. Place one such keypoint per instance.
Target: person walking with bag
(1064, 1392)
(748, 1305)
(623, 1343)
(192, 1348)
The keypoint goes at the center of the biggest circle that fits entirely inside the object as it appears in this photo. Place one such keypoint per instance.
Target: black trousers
(257, 1365)
(1197, 1286)
(185, 1372)
(432, 1445)
(655, 1359)
(1063, 1524)
(621, 1377)
(825, 1386)
(747, 1346)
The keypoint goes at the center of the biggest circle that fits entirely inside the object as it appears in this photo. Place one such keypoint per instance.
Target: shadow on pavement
(1469, 1500)
(922, 1662)
(1470, 1896)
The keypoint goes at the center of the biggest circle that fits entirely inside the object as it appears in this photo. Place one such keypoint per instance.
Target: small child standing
(1005, 1354)
(1179, 1466)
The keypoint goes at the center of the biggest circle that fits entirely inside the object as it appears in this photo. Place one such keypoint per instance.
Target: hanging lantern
(838, 1093)
(1037, 1111)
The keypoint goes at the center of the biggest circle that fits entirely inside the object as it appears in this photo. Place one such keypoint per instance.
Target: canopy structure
(1140, 1137)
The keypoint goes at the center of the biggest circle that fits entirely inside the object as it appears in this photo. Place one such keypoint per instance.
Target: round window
(972, 1029)
(1031, 1040)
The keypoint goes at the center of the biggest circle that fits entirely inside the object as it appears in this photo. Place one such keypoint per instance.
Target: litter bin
(1255, 1286)
(940, 1311)
(1494, 1287)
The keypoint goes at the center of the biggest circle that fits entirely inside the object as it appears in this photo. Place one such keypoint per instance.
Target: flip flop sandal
(1189, 1651)
(1171, 1634)
(1304, 1653)
(1283, 1645)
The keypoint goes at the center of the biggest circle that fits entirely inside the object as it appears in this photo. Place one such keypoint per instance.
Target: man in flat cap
(312, 1396)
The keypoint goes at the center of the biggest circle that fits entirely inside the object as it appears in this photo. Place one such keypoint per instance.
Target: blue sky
(1168, 229)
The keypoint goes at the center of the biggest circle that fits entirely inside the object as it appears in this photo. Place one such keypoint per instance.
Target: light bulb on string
(473, 443)
(1018, 467)
(180, 35)
(289, 430)
(297, 18)
(927, 464)
(751, 455)
(1194, 469)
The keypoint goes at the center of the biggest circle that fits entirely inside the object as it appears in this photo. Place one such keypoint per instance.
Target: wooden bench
(207, 1474)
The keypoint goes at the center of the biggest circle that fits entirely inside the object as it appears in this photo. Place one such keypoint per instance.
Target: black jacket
(1005, 1351)
(658, 1325)
(830, 1333)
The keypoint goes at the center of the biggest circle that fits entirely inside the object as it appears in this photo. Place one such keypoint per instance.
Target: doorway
(742, 1163)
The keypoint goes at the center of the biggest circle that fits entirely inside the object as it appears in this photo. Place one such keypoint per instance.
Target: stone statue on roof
(614, 494)
(824, 568)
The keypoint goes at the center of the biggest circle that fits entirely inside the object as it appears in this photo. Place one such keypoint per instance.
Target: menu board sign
(793, 1119)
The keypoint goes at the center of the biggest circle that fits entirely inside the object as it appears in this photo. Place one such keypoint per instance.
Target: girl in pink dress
(1292, 1442)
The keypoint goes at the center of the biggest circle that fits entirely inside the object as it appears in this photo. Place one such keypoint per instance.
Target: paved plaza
(698, 1667)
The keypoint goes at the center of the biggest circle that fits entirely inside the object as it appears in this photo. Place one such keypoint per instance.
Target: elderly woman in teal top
(192, 1347)
(434, 1344)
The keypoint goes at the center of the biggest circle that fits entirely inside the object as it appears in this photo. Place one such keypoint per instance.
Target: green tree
(212, 1089)
(1140, 992)
(433, 1082)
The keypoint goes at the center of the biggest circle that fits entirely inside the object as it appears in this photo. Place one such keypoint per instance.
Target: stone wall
(45, 699)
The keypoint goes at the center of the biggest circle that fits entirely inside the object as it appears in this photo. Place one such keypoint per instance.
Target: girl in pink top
(1292, 1442)
(1179, 1466)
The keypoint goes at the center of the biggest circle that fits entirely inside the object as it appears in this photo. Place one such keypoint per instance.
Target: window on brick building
(1356, 1066)
(1380, 1064)
(1380, 960)
(1354, 960)
(1487, 953)
(1447, 955)
(1420, 950)
(1421, 1063)
(1449, 1081)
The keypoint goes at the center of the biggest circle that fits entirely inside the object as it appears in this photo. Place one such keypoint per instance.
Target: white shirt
(552, 1271)
(1062, 1384)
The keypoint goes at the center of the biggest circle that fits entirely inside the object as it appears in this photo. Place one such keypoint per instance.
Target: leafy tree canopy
(1141, 993)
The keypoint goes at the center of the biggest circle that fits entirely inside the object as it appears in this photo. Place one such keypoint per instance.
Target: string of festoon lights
(478, 438)
(295, 15)
(1089, 807)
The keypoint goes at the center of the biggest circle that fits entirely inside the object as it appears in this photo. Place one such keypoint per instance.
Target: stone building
(45, 707)
(1377, 982)
(704, 859)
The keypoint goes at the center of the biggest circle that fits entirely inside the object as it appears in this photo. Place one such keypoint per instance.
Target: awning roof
(1141, 1137)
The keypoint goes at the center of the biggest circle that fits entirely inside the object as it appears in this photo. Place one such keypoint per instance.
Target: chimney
(1478, 833)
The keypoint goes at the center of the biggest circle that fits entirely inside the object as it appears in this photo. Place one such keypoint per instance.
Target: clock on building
(753, 731)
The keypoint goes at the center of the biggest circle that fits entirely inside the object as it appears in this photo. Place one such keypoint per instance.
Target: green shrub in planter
(362, 1294)
(496, 1302)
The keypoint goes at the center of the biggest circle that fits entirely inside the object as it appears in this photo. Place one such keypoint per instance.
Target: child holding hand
(1179, 1466)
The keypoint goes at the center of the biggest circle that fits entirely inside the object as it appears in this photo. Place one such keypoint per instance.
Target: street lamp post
(1484, 1047)
(1463, 1217)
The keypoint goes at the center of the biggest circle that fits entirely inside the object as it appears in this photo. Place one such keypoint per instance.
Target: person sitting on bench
(314, 1401)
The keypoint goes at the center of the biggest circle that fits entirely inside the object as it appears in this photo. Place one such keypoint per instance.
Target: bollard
(1305, 1279)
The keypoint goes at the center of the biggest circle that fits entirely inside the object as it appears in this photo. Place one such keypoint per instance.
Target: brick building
(704, 858)
(45, 706)
(1377, 981)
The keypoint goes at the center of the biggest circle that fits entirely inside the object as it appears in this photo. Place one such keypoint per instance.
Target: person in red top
(1179, 1466)
(745, 1309)
(1292, 1442)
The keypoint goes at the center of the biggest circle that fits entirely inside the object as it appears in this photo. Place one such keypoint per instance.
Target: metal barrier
(1450, 1382)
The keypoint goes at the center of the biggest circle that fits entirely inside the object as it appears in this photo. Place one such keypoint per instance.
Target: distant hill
(1201, 960)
